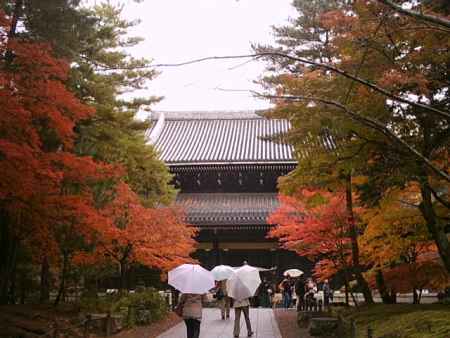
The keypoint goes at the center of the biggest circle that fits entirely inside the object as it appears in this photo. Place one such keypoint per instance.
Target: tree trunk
(347, 301)
(44, 292)
(386, 297)
(17, 12)
(123, 276)
(394, 296)
(23, 287)
(347, 282)
(12, 288)
(362, 283)
(355, 301)
(415, 296)
(436, 230)
(123, 266)
(9, 246)
(62, 285)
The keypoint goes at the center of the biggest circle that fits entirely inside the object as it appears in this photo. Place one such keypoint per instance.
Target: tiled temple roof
(228, 208)
(219, 138)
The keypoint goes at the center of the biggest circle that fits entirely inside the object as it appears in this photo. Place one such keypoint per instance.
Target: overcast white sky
(178, 30)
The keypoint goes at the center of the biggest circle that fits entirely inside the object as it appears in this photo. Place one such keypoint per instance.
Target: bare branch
(207, 58)
(367, 121)
(331, 68)
(440, 21)
(439, 199)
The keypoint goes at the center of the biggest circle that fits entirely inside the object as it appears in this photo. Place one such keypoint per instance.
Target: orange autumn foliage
(314, 224)
(397, 242)
(426, 274)
(153, 237)
(49, 196)
(37, 133)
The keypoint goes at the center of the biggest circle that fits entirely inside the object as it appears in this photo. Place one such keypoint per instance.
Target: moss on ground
(401, 320)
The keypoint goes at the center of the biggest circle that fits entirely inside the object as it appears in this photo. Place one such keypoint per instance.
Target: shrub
(141, 308)
(325, 328)
(96, 304)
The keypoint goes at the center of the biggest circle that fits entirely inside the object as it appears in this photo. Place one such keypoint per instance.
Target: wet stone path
(263, 321)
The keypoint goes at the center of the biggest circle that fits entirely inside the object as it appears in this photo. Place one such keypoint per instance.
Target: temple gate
(227, 171)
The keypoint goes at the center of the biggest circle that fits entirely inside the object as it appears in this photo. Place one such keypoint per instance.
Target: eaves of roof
(210, 209)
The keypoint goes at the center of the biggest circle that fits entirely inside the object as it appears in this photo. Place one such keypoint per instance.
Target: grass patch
(401, 320)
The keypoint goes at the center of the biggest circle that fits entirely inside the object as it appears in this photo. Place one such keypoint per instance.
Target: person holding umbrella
(193, 282)
(192, 306)
(241, 286)
(221, 274)
(289, 285)
(242, 306)
(223, 299)
(286, 288)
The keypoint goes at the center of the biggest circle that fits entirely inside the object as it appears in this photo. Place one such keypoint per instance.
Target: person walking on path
(300, 291)
(311, 290)
(242, 306)
(286, 287)
(192, 306)
(263, 294)
(327, 293)
(223, 299)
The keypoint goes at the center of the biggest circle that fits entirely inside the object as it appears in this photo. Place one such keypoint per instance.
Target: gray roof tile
(228, 208)
(235, 138)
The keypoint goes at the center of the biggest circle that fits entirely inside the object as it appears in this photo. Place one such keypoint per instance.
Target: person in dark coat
(286, 287)
(263, 293)
(300, 291)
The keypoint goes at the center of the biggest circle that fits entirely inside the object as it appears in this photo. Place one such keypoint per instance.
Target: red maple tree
(52, 200)
(155, 237)
(314, 224)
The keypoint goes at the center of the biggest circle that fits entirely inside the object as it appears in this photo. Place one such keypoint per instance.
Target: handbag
(179, 309)
(219, 294)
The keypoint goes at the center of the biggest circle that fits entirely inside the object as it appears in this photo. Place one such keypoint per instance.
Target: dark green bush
(445, 301)
(325, 328)
(140, 308)
(96, 304)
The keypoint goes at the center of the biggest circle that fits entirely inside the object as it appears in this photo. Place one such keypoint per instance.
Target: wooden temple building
(226, 173)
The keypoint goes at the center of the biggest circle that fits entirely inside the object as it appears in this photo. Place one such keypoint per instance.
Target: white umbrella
(244, 282)
(293, 273)
(222, 272)
(191, 278)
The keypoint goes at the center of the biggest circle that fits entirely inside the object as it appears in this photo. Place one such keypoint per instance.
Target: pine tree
(326, 148)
